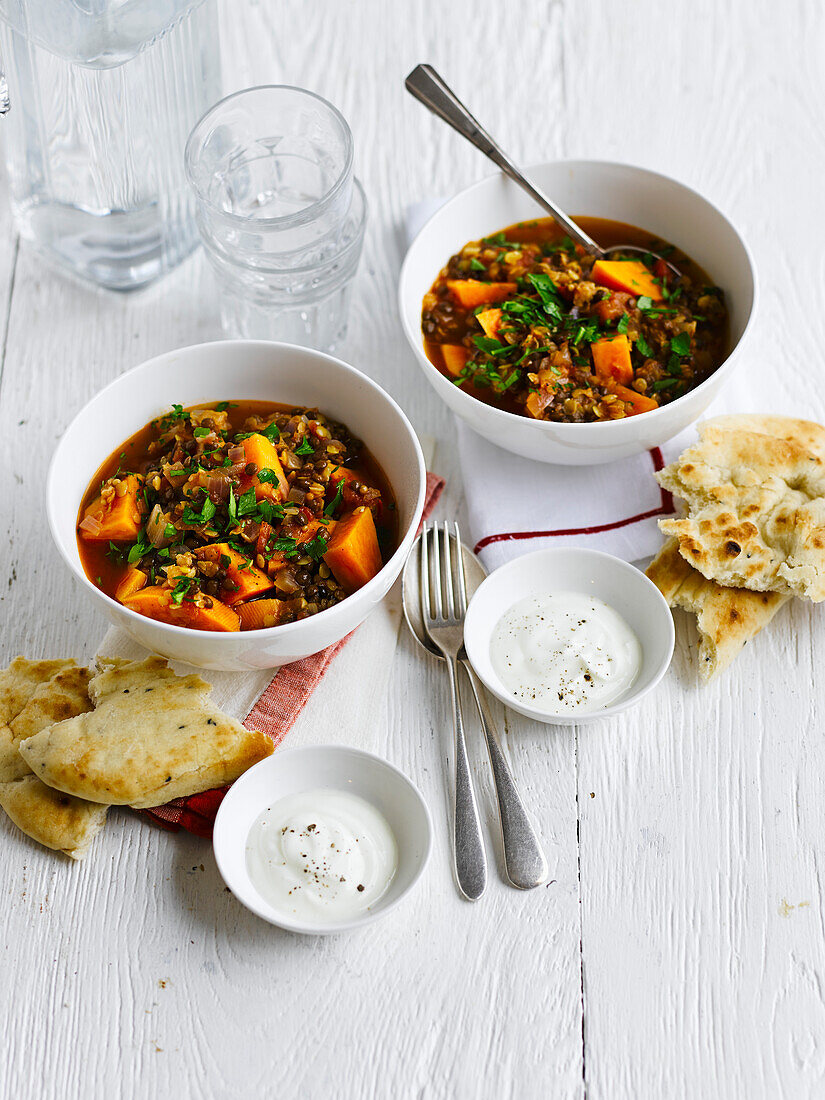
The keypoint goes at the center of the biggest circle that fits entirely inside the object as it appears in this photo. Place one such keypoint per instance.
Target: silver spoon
(427, 86)
(524, 861)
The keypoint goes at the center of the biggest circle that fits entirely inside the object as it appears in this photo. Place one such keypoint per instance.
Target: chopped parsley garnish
(138, 550)
(200, 432)
(269, 512)
(487, 344)
(317, 547)
(181, 589)
(197, 519)
(477, 265)
(644, 348)
(115, 553)
(680, 344)
(306, 448)
(266, 475)
(283, 545)
(247, 504)
(336, 500)
(272, 432)
(549, 295)
(501, 240)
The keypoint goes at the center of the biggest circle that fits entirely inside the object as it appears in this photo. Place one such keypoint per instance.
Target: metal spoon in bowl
(427, 86)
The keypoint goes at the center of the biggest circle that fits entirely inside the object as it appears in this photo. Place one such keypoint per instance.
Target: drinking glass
(280, 214)
(97, 99)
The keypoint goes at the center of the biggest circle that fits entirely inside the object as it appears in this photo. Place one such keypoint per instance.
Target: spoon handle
(427, 86)
(468, 843)
(523, 856)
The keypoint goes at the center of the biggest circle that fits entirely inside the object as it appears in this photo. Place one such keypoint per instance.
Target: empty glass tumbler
(280, 214)
(100, 96)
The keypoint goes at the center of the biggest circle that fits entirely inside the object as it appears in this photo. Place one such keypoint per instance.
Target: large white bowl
(601, 189)
(231, 370)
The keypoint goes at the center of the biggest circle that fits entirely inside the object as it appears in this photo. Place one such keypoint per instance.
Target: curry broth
(133, 457)
(546, 231)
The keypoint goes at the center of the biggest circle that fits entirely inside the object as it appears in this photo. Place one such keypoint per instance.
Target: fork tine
(424, 577)
(436, 575)
(449, 595)
(461, 580)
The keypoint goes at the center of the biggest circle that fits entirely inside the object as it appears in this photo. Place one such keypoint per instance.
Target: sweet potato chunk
(490, 321)
(132, 581)
(611, 359)
(353, 554)
(628, 275)
(120, 518)
(244, 579)
(455, 358)
(157, 603)
(262, 453)
(260, 613)
(471, 292)
(637, 401)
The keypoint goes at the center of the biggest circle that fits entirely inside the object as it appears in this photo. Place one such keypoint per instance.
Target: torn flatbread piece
(755, 505)
(18, 683)
(727, 618)
(19, 680)
(52, 818)
(152, 736)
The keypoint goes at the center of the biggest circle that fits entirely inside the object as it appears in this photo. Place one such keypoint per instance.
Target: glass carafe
(101, 95)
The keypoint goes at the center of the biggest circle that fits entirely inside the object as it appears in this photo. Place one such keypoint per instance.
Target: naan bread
(755, 504)
(152, 736)
(52, 818)
(19, 680)
(727, 618)
(18, 683)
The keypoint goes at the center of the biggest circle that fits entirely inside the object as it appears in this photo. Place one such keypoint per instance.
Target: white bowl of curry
(558, 358)
(237, 505)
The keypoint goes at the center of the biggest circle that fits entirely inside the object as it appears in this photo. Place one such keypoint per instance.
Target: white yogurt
(322, 856)
(565, 652)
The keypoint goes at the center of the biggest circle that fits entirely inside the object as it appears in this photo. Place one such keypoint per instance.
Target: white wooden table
(678, 950)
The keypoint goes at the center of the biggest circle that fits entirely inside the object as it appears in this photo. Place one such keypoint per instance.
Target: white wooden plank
(700, 825)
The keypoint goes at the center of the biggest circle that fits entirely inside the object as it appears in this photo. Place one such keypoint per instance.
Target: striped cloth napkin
(273, 703)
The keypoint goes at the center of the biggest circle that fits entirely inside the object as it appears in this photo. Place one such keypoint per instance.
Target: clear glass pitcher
(98, 99)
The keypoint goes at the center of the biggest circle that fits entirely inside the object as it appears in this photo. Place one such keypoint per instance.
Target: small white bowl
(290, 771)
(233, 370)
(620, 192)
(591, 573)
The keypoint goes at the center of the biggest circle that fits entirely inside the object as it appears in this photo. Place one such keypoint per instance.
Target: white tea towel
(516, 505)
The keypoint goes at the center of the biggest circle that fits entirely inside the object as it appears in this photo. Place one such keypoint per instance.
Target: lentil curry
(236, 516)
(527, 321)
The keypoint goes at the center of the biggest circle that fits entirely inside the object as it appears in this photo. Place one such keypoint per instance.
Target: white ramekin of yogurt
(568, 635)
(322, 839)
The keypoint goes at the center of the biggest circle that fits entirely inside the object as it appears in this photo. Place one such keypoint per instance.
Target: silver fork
(443, 604)
(525, 865)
